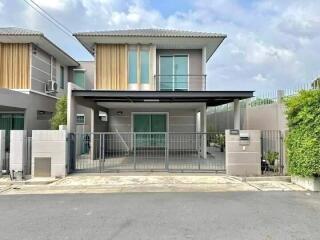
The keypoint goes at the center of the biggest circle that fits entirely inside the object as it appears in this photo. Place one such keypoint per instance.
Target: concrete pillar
(92, 135)
(2, 149)
(71, 109)
(203, 128)
(49, 153)
(280, 95)
(18, 150)
(243, 156)
(236, 114)
(204, 67)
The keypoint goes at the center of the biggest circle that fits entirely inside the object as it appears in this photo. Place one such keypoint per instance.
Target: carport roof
(212, 98)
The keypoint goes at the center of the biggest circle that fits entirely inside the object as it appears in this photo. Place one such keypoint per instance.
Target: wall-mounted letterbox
(244, 138)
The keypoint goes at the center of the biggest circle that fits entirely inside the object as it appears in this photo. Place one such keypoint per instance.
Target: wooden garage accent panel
(15, 65)
(111, 66)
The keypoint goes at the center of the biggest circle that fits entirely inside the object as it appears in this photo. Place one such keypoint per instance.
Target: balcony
(180, 82)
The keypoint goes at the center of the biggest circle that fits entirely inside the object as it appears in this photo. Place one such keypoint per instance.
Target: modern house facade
(33, 74)
(147, 99)
(141, 104)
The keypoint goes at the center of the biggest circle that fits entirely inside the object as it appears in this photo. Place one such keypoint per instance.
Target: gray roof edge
(26, 32)
(62, 51)
(17, 31)
(150, 32)
(125, 93)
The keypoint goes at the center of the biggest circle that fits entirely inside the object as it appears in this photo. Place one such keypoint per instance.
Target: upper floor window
(139, 65)
(174, 72)
(61, 77)
(79, 78)
(132, 65)
(144, 66)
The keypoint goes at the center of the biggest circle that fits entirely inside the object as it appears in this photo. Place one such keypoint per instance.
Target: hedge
(303, 139)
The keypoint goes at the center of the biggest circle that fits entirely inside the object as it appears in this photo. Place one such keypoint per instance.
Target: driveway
(219, 215)
(150, 182)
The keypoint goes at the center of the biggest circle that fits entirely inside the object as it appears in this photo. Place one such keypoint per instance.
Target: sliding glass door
(173, 73)
(150, 129)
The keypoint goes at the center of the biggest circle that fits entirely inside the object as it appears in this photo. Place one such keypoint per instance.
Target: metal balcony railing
(188, 82)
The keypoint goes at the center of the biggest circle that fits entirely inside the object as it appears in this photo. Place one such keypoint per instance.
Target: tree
(60, 114)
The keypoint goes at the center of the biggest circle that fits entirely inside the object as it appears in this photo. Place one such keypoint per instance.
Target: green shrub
(60, 114)
(261, 101)
(303, 140)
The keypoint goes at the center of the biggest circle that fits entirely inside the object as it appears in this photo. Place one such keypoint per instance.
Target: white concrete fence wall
(243, 157)
(51, 144)
(18, 152)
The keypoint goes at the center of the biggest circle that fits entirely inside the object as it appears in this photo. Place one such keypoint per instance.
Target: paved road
(230, 215)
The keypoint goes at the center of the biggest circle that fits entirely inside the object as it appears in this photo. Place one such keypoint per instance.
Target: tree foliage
(60, 114)
(303, 140)
(261, 101)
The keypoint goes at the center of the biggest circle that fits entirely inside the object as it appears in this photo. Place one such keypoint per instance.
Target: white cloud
(301, 20)
(270, 44)
(53, 4)
(1, 6)
(260, 78)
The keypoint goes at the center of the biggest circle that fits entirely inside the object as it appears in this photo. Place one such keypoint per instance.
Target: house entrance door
(149, 144)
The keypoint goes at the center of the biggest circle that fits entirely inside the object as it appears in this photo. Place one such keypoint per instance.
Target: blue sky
(271, 44)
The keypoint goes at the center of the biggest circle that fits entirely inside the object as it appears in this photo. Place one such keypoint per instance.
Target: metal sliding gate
(156, 151)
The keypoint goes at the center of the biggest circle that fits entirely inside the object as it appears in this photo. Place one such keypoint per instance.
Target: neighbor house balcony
(185, 82)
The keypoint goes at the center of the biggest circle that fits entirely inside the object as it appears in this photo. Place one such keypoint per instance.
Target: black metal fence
(272, 152)
(115, 151)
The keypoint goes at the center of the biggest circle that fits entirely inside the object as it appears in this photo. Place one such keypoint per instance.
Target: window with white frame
(80, 119)
(139, 64)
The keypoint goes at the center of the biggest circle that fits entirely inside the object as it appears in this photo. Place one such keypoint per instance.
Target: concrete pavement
(218, 215)
(149, 182)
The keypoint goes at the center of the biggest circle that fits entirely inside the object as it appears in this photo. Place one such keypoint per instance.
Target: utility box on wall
(42, 167)
(49, 153)
(243, 152)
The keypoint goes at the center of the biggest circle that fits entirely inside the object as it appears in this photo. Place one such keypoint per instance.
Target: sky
(270, 44)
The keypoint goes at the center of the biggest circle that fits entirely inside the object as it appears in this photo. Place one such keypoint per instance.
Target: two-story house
(33, 75)
(148, 99)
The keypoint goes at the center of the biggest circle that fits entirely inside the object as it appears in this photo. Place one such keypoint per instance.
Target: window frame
(80, 115)
(62, 82)
(173, 55)
(135, 50)
(147, 51)
(84, 77)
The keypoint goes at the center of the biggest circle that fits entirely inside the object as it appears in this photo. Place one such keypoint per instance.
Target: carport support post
(71, 109)
(236, 114)
(203, 127)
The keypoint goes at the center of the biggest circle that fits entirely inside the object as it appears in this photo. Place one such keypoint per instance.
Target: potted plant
(272, 159)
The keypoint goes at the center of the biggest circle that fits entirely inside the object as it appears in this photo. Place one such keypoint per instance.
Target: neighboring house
(33, 75)
(147, 88)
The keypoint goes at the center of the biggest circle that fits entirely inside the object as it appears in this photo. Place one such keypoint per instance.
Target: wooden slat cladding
(111, 66)
(14, 65)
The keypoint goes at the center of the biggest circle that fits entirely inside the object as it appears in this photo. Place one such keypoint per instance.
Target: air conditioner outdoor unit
(51, 86)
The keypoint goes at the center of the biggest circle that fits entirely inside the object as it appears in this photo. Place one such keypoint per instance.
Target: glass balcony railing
(180, 82)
